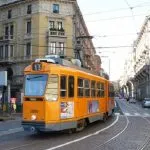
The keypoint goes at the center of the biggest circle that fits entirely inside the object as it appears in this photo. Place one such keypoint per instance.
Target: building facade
(31, 29)
(140, 71)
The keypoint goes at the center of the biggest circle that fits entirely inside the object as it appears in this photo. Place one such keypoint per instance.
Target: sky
(114, 24)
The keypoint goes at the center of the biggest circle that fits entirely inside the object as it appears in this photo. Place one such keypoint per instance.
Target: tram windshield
(35, 84)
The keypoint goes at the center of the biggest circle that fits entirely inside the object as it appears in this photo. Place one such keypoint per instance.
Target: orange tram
(58, 97)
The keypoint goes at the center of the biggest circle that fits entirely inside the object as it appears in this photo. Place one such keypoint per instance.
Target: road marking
(146, 114)
(115, 135)
(127, 114)
(117, 114)
(84, 137)
(10, 131)
(137, 114)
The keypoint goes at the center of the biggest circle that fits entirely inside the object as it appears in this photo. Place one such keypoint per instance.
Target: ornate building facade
(31, 29)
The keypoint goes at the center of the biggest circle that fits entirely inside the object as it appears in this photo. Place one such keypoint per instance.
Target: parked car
(146, 102)
(132, 100)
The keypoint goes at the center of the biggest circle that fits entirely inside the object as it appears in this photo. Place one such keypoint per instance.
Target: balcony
(6, 38)
(27, 36)
(54, 32)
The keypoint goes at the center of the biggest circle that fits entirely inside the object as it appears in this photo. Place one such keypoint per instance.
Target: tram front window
(35, 84)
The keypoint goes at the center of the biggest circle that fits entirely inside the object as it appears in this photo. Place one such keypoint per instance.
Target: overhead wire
(133, 17)
(99, 47)
(118, 9)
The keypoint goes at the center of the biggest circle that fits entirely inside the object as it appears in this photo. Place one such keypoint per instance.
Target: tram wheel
(105, 117)
(81, 124)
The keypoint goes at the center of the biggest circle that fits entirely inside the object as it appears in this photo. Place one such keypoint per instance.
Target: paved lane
(129, 131)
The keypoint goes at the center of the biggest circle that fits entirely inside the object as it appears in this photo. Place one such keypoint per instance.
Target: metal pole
(9, 96)
(109, 68)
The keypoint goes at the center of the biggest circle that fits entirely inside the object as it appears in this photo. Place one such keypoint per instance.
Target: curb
(6, 118)
(10, 131)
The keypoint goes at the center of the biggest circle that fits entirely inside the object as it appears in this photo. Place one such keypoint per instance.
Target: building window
(11, 31)
(11, 51)
(55, 8)
(1, 51)
(28, 49)
(59, 25)
(29, 9)
(9, 14)
(61, 48)
(6, 51)
(6, 32)
(52, 48)
(29, 27)
(52, 24)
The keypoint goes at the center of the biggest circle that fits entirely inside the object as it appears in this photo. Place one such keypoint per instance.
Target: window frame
(93, 89)
(56, 8)
(28, 45)
(63, 89)
(29, 9)
(1, 51)
(6, 51)
(52, 48)
(11, 31)
(69, 77)
(28, 26)
(9, 15)
(80, 87)
(98, 89)
(61, 49)
(102, 89)
(87, 89)
(51, 24)
(48, 87)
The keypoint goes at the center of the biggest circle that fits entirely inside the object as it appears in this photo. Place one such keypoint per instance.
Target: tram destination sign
(3, 78)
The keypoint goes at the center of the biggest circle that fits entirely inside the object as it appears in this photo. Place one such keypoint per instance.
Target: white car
(146, 102)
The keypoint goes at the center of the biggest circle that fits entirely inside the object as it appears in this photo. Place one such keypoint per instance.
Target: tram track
(116, 136)
(136, 110)
(25, 146)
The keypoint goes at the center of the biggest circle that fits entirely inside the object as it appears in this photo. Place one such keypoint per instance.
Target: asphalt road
(129, 130)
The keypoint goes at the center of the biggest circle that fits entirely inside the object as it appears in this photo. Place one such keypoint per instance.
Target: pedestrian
(127, 98)
(14, 107)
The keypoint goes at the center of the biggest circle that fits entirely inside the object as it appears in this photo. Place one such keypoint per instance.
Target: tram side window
(71, 86)
(52, 88)
(80, 87)
(98, 89)
(87, 88)
(93, 89)
(63, 87)
(101, 89)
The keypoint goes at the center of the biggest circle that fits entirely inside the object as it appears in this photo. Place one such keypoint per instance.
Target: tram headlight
(33, 117)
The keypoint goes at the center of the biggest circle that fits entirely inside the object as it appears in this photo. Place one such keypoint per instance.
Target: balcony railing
(19, 59)
(6, 38)
(28, 36)
(54, 32)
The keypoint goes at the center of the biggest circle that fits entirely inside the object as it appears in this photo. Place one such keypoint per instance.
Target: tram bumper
(33, 126)
(42, 126)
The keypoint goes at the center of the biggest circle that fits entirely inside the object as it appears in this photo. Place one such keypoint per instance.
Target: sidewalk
(6, 116)
(10, 124)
